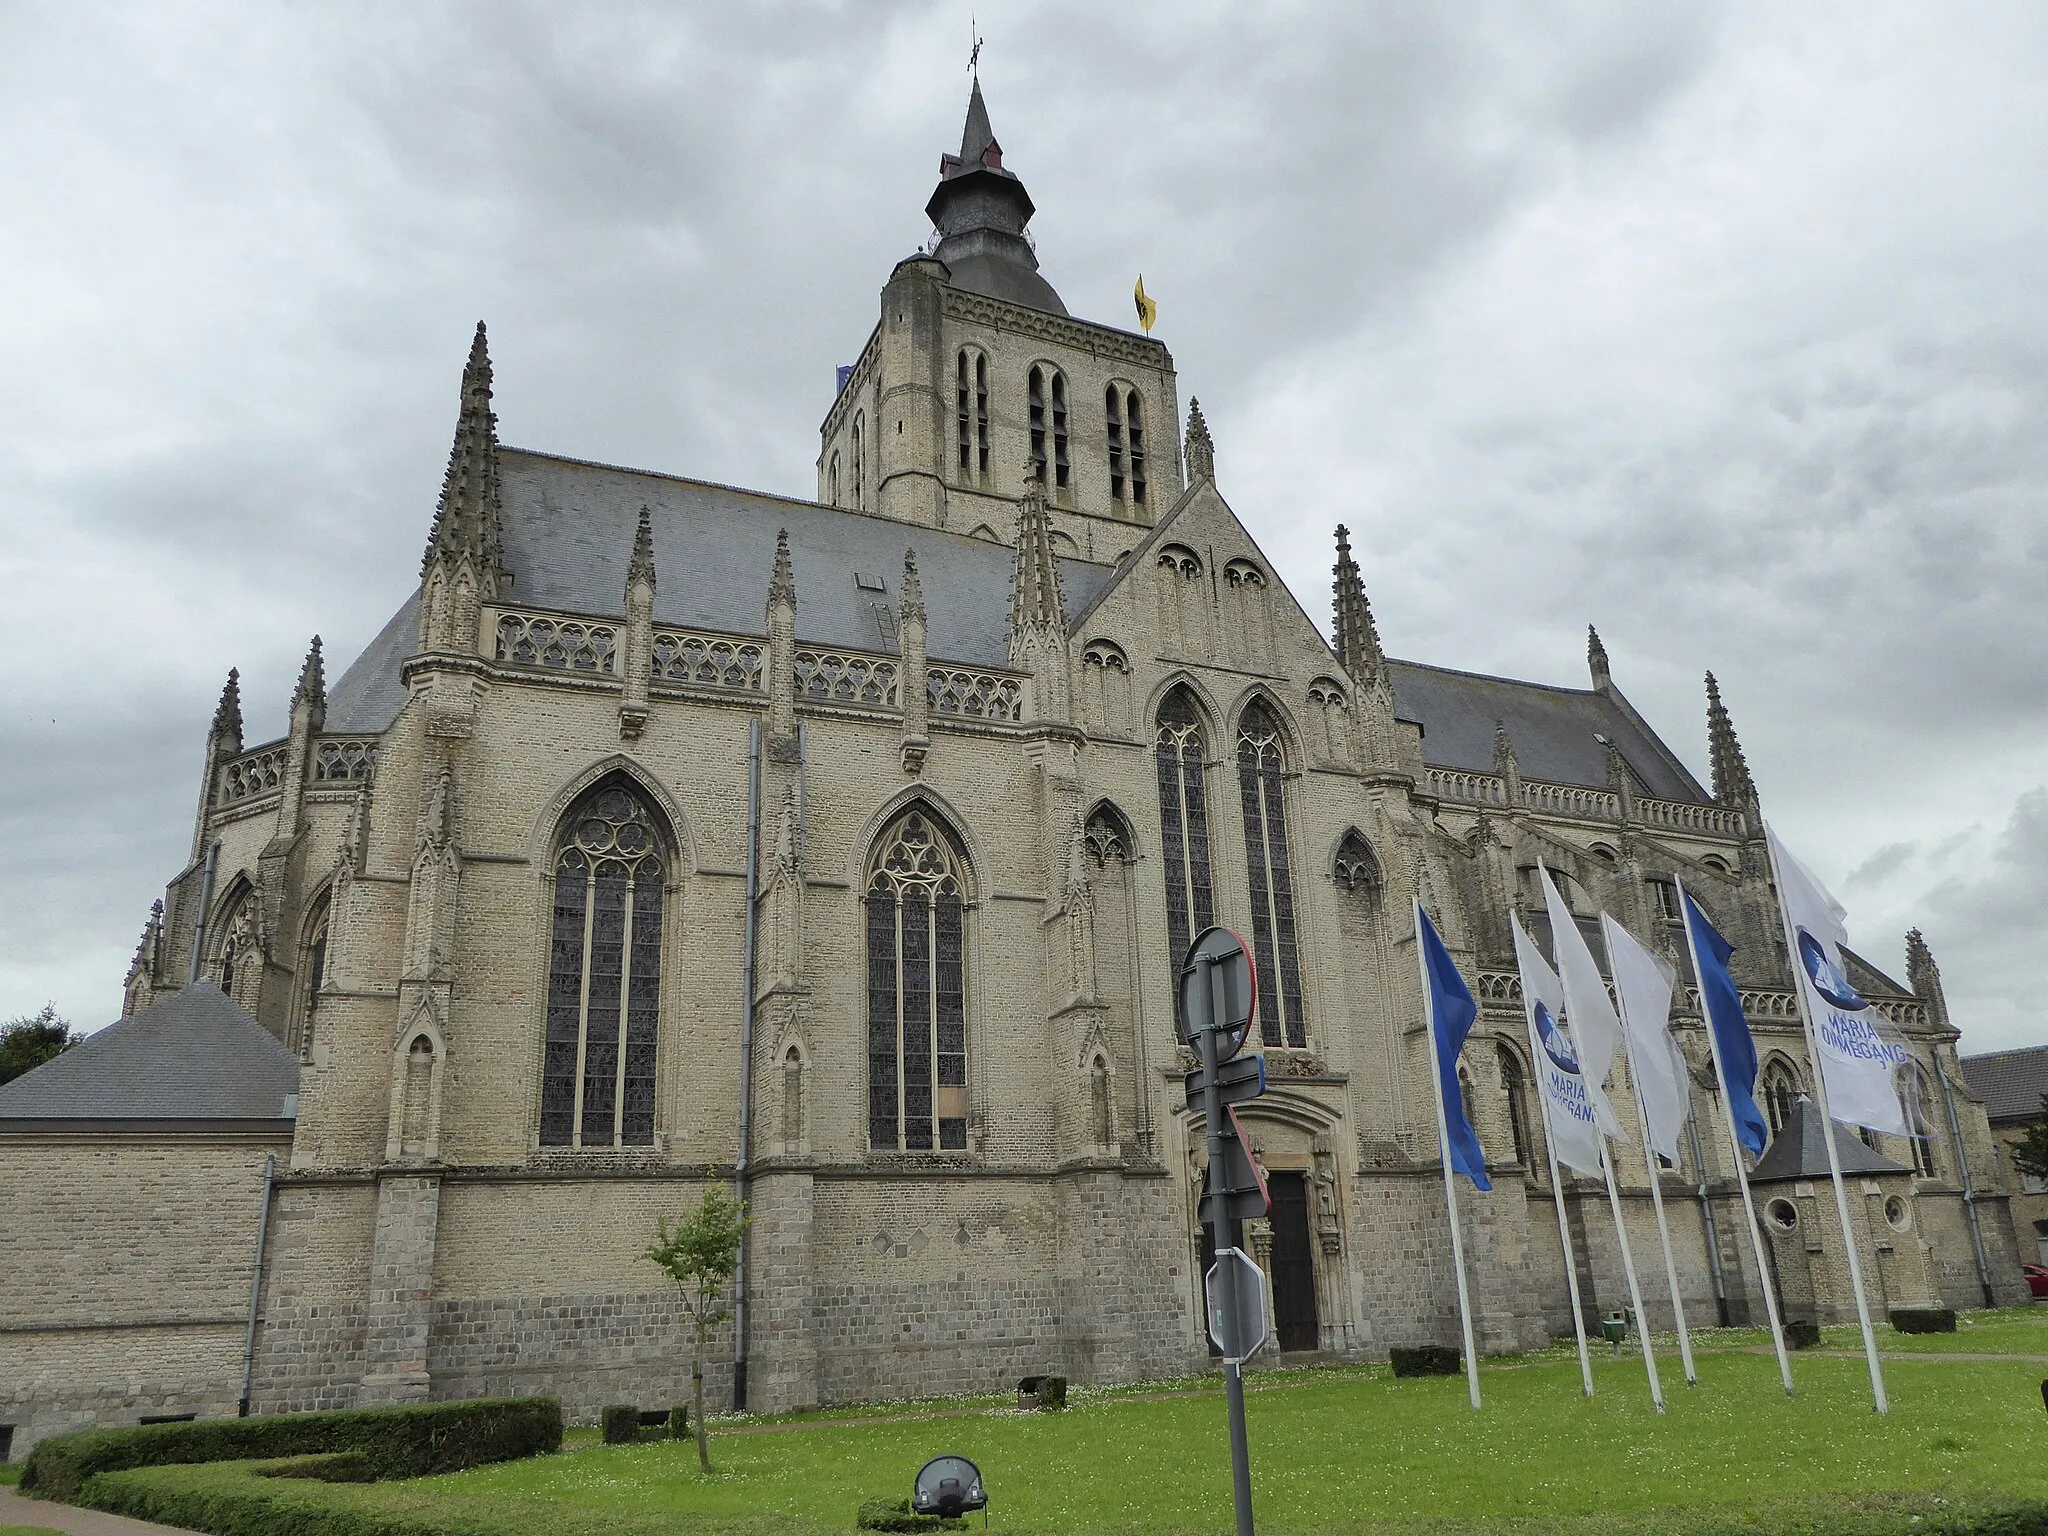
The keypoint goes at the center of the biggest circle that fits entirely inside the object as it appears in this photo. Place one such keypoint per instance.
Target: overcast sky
(1722, 327)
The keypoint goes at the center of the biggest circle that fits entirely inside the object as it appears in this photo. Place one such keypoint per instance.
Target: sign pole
(1210, 985)
(1827, 1128)
(1756, 1236)
(1628, 1268)
(1443, 1145)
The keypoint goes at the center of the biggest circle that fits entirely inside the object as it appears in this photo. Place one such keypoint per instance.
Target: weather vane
(974, 54)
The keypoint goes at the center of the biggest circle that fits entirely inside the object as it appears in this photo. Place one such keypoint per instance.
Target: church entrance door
(1294, 1274)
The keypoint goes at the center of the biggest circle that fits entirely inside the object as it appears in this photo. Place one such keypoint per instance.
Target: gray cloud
(1720, 326)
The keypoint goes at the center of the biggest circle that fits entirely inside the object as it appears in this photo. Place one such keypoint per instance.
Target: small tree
(2030, 1152)
(27, 1042)
(700, 1255)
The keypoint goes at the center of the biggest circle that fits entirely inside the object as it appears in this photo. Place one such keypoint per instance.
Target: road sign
(1237, 1185)
(1238, 1079)
(1217, 990)
(1234, 1267)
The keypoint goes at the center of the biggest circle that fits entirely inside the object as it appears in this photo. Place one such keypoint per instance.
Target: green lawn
(1331, 1451)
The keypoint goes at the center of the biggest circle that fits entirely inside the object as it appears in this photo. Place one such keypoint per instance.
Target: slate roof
(1797, 1151)
(568, 533)
(2009, 1082)
(1555, 731)
(192, 1055)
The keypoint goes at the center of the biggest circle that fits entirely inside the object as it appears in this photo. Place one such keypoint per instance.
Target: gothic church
(845, 849)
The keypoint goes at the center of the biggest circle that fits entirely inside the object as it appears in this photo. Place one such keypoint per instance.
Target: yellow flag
(1148, 312)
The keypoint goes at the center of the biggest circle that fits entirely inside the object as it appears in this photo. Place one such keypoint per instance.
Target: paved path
(15, 1509)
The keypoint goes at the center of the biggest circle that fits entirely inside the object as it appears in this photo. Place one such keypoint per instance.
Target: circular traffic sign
(1218, 955)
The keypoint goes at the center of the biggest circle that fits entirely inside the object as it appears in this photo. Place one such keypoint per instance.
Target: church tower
(976, 379)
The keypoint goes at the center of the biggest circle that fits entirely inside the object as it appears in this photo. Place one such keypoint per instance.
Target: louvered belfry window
(1183, 823)
(1260, 774)
(604, 975)
(917, 1004)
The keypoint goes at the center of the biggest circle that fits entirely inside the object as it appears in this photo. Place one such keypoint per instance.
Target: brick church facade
(844, 848)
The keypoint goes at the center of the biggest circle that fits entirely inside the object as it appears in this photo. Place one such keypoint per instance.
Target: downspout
(742, 1165)
(1955, 1130)
(205, 905)
(256, 1282)
(1699, 1161)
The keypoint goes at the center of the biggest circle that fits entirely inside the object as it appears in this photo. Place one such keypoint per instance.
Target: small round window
(1896, 1214)
(1783, 1215)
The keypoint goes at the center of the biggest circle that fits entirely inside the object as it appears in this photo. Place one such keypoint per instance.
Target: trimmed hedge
(1802, 1335)
(679, 1422)
(897, 1515)
(1427, 1360)
(621, 1424)
(411, 1440)
(1924, 1319)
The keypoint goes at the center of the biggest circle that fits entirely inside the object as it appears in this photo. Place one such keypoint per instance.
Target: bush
(1802, 1335)
(413, 1440)
(621, 1424)
(1924, 1319)
(896, 1515)
(679, 1422)
(1052, 1392)
(1426, 1360)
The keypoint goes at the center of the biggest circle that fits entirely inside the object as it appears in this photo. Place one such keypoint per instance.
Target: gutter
(256, 1279)
(742, 1165)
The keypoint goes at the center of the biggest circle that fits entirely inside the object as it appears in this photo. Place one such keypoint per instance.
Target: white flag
(1643, 982)
(1856, 1058)
(1587, 1009)
(1568, 1111)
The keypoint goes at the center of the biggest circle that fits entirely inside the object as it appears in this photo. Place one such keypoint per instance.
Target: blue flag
(1451, 1012)
(1722, 1002)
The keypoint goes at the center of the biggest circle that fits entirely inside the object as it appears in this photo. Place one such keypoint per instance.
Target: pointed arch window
(1183, 822)
(1781, 1092)
(604, 974)
(1915, 1105)
(1124, 420)
(1261, 771)
(313, 969)
(1514, 1087)
(1357, 868)
(856, 459)
(832, 478)
(1047, 398)
(971, 413)
(917, 1003)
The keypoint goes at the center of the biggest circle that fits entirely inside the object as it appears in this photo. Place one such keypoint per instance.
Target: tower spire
(1732, 783)
(981, 211)
(1358, 640)
(460, 569)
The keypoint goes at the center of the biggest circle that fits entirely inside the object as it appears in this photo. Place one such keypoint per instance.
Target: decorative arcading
(568, 645)
(845, 677)
(1467, 788)
(256, 772)
(1098, 340)
(344, 760)
(974, 695)
(708, 661)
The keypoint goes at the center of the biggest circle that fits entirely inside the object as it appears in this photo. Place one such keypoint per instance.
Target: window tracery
(1357, 868)
(1181, 561)
(313, 969)
(1183, 822)
(1514, 1088)
(1914, 1108)
(604, 975)
(1242, 573)
(1260, 773)
(917, 1018)
(1108, 836)
(1781, 1092)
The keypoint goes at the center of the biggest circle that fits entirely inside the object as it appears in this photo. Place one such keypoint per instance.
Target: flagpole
(1827, 1124)
(1628, 1044)
(1564, 1236)
(1756, 1236)
(1628, 1267)
(1443, 1143)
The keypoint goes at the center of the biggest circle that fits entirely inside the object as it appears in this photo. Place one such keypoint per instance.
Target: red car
(2037, 1280)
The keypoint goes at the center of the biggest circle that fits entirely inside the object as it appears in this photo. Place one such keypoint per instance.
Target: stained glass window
(1260, 771)
(1183, 823)
(917, 1003)
(604, 976)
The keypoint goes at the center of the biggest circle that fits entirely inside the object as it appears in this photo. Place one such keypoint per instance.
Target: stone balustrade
(259, 771)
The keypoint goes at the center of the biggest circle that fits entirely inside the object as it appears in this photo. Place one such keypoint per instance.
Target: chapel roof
(568, 529)
(1797, 1152)
(191, 1055)
(1556, 732)
(2010, 1083)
